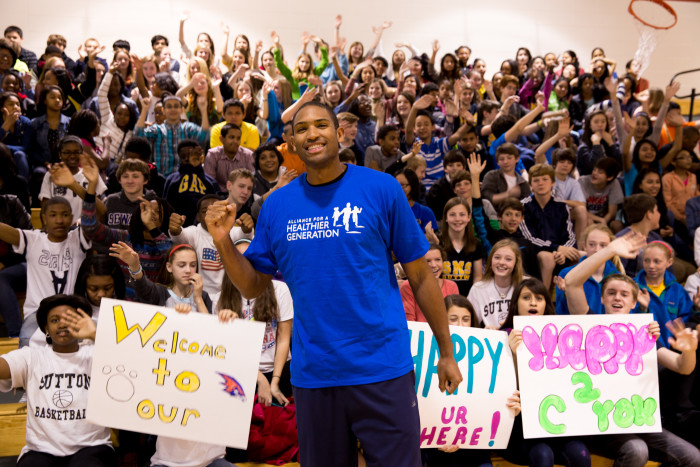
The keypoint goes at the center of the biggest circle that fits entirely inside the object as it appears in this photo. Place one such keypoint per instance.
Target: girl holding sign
(182, 283)
(183, 292)
(531, 298)
(57, 378)
(491, 295)
(273, 307)
(461, 313)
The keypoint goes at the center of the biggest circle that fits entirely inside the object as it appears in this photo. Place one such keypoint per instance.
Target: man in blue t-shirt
(331, 233)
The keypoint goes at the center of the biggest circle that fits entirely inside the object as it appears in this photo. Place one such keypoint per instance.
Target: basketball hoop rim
(662, 4)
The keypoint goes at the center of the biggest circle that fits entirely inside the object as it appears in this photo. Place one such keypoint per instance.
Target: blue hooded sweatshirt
(673, 303)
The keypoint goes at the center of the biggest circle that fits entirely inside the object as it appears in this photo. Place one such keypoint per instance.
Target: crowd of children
(535, 181)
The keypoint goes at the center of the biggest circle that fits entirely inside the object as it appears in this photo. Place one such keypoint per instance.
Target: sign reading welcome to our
(475, 416)
(586, 375)
(182, 376)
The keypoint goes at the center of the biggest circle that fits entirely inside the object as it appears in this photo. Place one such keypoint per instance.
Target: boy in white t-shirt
(57, 380)
(568, 189)
(69, 149)
(53, 258)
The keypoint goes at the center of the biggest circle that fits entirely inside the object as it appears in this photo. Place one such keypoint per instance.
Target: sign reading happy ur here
(475, 416)
(185, 376)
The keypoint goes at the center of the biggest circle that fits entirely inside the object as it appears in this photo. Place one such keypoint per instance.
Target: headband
(177, 247)
(664, 244)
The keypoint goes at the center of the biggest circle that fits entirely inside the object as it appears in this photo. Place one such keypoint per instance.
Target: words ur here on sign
(475, 414)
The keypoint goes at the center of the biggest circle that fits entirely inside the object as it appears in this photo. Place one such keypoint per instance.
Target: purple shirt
(219, 166)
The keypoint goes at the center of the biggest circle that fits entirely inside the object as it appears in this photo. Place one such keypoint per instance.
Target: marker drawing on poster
(182, 376)
(587, 375)
(475, 416)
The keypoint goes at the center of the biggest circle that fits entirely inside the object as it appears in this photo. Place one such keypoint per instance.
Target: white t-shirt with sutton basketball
(210, 266)
(49, 190)
(51, 267)
(57, 392)
(489, 307)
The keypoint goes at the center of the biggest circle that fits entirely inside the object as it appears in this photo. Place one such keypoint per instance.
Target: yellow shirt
(250, 138)
(657, 289)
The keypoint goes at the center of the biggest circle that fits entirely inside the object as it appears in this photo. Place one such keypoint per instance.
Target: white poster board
(587, 375)
(475, 416)
(183, 376)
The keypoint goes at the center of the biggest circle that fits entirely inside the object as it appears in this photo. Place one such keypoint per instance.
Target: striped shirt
(219, 166)
(164, 139)
(433, 154)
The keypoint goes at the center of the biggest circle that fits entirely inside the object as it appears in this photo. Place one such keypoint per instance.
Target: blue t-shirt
(333, 245)
(424, 215)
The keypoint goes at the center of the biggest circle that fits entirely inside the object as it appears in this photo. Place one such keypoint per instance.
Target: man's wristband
(138, 271)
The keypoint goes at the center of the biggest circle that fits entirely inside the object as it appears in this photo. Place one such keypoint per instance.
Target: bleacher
(13, 417)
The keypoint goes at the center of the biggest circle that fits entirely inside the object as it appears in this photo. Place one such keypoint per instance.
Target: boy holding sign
(619, 296)
(57, 379)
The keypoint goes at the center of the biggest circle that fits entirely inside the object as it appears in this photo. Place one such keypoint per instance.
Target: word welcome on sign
(182, 376)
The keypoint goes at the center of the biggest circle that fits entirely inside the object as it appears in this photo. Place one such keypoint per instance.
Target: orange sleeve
(410, 307)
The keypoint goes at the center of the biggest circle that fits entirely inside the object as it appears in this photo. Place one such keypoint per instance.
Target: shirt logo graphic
(347, 213)
(211, 261)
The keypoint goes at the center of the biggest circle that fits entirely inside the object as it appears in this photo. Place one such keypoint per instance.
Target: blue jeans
(544, 452)
(29, 327)
(21, 160)
(91, 456)
(12, 279)
(637, 449)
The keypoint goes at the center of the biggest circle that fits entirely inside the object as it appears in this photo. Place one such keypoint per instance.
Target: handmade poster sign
(587, 375)
(475, 416)
(182, 376)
